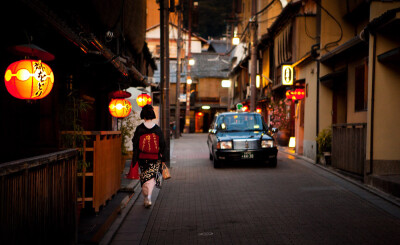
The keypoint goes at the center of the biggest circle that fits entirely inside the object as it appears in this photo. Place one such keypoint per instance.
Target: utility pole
(164, 21)
(187, 117)
(253, 59)
(178, 73)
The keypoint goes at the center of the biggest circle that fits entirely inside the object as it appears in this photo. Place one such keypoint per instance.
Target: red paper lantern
(29, 79)
(120, 108)
(297, 94)
(143, 99)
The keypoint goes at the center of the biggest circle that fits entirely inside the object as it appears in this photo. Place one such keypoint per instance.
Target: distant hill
(209, 17)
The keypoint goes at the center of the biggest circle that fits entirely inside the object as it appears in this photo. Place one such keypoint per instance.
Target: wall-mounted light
(292, 142)
(258, 81)
(226, 83)
(192, 62)
(205, 107)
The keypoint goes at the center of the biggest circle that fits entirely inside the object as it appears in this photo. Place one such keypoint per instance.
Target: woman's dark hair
(147, 112)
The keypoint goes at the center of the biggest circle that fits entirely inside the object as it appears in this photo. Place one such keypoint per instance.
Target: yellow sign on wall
(287, 75)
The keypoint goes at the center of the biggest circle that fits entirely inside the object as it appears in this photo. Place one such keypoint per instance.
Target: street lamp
(189, 80)
(235, 40)
(258, 81)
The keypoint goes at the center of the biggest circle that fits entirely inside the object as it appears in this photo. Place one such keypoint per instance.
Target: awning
(390, 56)
(354, 45)
(87, 38)
(386, 23)
(329, 79)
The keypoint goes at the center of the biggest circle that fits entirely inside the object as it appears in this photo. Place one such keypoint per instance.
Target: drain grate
(209, 233)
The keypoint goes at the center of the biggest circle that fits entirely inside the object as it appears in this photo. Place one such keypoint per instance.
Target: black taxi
(237, 136)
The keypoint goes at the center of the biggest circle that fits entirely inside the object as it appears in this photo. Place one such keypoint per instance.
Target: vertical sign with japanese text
(287, 75)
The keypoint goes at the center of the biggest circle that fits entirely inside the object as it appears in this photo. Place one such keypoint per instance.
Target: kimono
(148, 152)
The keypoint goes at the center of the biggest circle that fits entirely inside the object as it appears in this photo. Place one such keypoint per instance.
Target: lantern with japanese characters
(120, 107)
(143, 99)
(29, 79)
(297, 94)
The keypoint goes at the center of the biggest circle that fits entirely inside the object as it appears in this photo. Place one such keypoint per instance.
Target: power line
(265, 8)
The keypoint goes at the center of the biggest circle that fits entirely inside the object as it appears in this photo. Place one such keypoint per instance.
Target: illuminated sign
(226, 83)
(287, 75)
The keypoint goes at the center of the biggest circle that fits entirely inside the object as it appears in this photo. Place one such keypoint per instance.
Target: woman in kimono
(148, 151)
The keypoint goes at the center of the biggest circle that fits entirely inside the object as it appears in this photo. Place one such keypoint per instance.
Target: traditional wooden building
(208, 96)
(93, 48)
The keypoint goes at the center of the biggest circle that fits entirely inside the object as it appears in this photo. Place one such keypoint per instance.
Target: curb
(126, 206)
(393, 200)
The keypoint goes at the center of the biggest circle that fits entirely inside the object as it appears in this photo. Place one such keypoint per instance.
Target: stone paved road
(295, 203)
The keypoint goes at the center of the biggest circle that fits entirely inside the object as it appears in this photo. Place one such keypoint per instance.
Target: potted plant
(70, 121)
(127, 128)
(324, 141)
(280, 119)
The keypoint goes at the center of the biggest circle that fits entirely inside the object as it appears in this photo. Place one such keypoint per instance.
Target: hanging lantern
(29, 79)
(120, 108)
(143, 99)
(289, 94)
(297, 94)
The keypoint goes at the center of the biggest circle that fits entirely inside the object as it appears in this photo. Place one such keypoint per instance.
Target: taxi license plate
(247, 155)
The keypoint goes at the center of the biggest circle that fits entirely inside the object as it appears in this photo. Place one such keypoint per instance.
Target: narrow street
(295, 203)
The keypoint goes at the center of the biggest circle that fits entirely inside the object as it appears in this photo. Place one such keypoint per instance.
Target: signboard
(287, 75)
(182, 98)
(239, 106)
